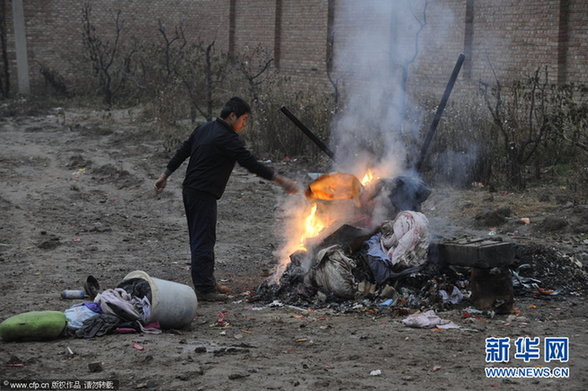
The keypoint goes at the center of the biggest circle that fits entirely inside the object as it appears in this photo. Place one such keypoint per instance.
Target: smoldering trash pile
(395, 263)
(139, 303)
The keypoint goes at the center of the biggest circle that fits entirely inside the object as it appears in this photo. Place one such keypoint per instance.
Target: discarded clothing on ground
(119, 303)
(402, 243)
(93, 306)
(428, 320)
(332, 273)
(127, 307)
(137, 327)
(137, 287)
(98, 326)
(77, 314)
(406, 239)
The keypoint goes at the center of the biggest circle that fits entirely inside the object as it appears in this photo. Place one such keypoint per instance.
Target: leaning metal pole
(439, 112)
(307, 132)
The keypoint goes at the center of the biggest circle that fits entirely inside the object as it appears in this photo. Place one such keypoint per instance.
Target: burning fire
(312, 227)
(341, 191)
(367, 178)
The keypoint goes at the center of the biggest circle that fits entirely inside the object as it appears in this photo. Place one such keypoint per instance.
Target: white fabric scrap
(455, 298)
(406, 239)
(428, 320)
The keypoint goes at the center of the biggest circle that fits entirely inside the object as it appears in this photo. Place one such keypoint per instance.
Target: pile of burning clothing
(382, 239)
(375, 247)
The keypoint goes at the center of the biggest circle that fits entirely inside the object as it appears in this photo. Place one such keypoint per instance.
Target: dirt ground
(76, 199)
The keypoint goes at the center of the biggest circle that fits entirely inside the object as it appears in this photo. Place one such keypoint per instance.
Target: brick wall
(577, 55)
(254, 24)
(54, 27)
(515, 36)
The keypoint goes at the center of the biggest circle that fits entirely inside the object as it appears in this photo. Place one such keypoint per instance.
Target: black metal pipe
(307, 132)
(440, 109)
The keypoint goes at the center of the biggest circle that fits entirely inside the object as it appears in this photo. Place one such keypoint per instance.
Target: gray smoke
(375, 40)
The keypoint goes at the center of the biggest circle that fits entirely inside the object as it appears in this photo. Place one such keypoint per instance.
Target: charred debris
(342, 271)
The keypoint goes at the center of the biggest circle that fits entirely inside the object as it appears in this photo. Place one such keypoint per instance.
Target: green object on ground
(34, 325)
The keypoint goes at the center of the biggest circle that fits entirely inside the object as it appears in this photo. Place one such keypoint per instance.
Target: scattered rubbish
(525, 282)
(377, 372)
(387, 303)
(77, 314)
(297, 308)
(221, 321)
(98, 326)
(548, 292)
(455, 298)
(73, 294)
(138, 347)
(436, 368)
(252, 308)
(428, 319)
(388, 292)
(92, 287)
(516, 318)
(77, 239)
(525, 220)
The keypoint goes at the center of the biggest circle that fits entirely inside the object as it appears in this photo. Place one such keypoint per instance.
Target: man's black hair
(235, 105)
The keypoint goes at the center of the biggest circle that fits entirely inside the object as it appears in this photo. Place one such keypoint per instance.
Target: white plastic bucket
(173, 305)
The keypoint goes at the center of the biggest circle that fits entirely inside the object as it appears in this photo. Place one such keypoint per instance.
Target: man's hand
(160, 183)
(289, 186)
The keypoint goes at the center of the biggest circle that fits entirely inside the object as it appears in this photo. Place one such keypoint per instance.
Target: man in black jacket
(213, 148)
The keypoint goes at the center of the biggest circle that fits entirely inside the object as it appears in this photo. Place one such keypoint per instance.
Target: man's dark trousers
(201, 214)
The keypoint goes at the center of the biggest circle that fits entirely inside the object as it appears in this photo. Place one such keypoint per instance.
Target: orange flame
(367, 178)
(312, 227)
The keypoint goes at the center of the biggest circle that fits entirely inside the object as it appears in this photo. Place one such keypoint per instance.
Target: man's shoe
(222, 289)
(211, 296)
